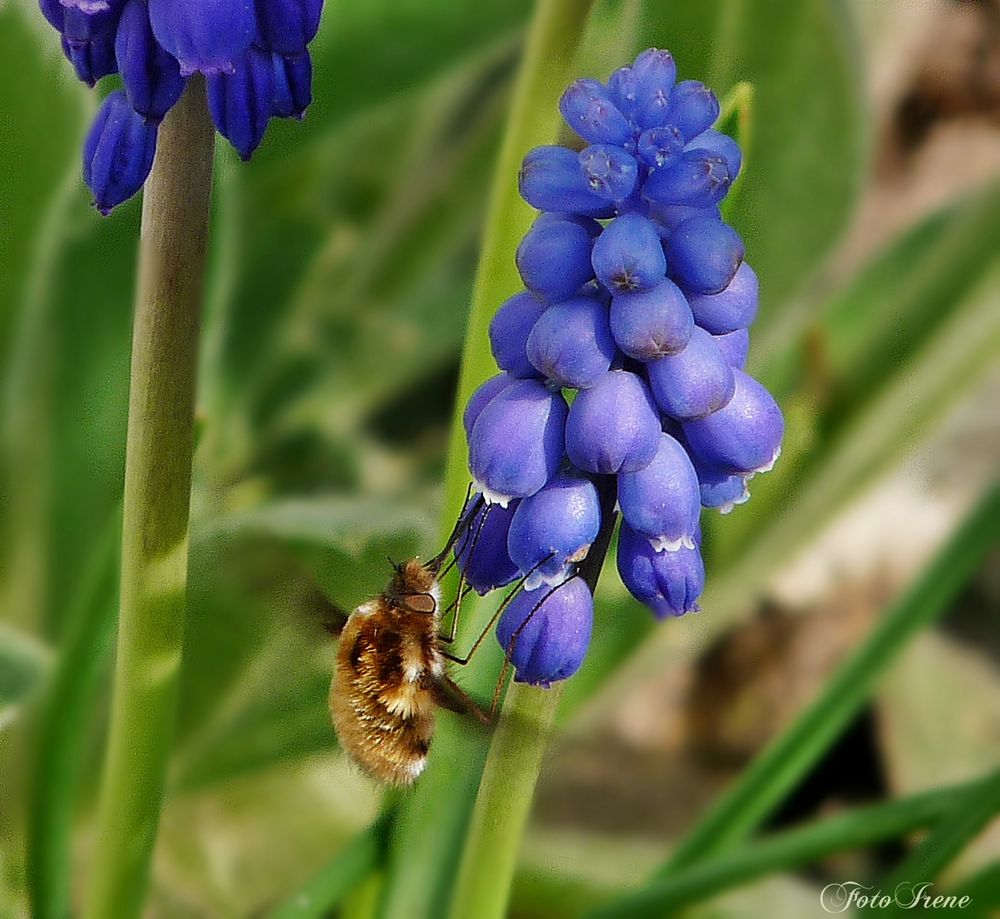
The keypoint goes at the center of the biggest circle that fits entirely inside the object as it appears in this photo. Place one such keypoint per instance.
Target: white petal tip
(490, 496)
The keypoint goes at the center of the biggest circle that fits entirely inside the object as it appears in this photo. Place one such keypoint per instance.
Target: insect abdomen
(382, 710)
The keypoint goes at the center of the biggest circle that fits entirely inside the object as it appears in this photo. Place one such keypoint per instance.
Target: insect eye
(421, 603)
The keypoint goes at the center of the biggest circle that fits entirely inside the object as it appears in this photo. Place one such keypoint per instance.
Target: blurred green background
(341, 267)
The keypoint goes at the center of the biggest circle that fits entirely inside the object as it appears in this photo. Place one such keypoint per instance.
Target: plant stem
(422, 865)
(156, 504)
(513, 765)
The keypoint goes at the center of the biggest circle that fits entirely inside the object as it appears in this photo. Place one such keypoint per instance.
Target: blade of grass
(422, 864)
(982, 889)
(348, 869)
(793, 849)
(61, 746)
(978, 805)
(782, 765)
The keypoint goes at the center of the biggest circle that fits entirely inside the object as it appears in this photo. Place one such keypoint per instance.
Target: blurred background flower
(342, 265)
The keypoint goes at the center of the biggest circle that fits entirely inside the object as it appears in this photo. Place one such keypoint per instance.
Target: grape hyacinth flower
(254, 56)
(623, 384)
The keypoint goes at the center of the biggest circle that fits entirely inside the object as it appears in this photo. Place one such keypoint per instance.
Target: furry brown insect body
(390, 676)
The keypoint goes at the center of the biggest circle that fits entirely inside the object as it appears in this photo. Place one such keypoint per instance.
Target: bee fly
(390, 672)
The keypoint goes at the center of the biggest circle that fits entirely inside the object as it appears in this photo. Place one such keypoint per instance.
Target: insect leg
(462, 661)
(456, 607)
(448, 694)
(435, 563)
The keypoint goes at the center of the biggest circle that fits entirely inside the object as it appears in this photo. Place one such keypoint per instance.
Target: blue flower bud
(241, 101)
(744, 436)
(696, 178)
(719, 489)
(694, 382)
(610, 172)
(479, 399)
(721, 145)
(628, 255)
(589, 111)
(152, 77)
(571, 343)
(292, 84)
(622, 89)
(54, 13)
(481, 550)
(655, 72)
(545, 632)
(118, 153)
(734, 346)
(93, 58)
(693, 108)
(652, 323)
(209, 36)
(553, 529)
(658, 146)
(78, 26)
(87, 6)
(518, 440)
(613, 427)
(663, 501)
(287, 26)
(554, 257)
(669, 583)
(704, 254)
(670, 216)
(551, 180)
(509, 333)
(734, 307)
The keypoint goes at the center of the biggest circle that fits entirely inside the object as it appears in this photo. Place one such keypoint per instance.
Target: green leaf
(777, 770)
(791, 849)
(38, 96)
(977, 807)
(359, 858)
(23, 666)
(62, 758)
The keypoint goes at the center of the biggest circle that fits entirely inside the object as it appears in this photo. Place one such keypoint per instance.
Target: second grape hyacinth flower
(622, 366)
(253, 55)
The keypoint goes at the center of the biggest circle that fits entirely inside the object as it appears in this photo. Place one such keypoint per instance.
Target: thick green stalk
(423, 864)
(512, 768)
(156, 502)
(777, 770)
(791, 849)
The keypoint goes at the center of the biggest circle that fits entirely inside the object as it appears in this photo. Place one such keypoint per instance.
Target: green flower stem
(777, 770)
(792, 849)
(512, 768)
(422, 864)
(156, 503)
